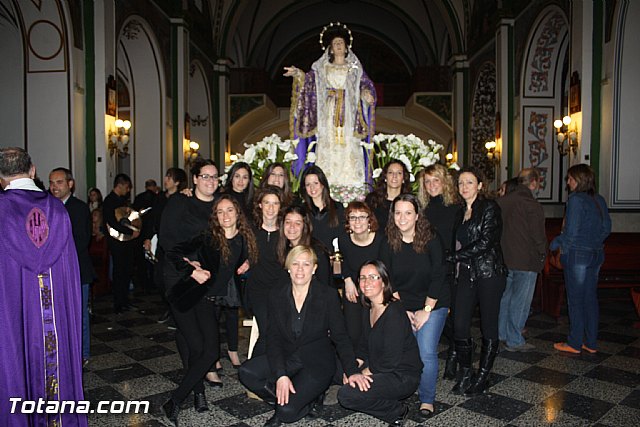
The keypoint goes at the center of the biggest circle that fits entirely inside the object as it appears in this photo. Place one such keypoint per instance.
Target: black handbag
(185, 294)
(232, 298)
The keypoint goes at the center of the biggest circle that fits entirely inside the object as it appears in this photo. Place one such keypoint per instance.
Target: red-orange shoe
(563, 346)
(589, 350)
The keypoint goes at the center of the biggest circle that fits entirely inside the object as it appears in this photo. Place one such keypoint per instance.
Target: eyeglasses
(208, 177)
(360, 218)
(370, 277)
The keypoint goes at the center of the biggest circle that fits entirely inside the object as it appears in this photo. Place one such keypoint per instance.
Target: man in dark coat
(524, 246)
(61, 185)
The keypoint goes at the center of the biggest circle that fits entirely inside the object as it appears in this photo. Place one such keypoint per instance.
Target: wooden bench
(621, 268)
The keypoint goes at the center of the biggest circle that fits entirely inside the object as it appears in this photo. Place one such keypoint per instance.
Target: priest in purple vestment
(40, 305)
(334, 105)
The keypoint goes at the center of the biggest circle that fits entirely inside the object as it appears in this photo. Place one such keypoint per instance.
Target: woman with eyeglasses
(388, 355)
(305, 330)
(393, 181)
(276, 174)
(415, 257)
(296, 229)
(267, 272)
(360, 243)
(481, 279)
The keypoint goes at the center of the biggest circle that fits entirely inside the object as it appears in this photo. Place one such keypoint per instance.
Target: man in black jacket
(61, 185)
(122, 249)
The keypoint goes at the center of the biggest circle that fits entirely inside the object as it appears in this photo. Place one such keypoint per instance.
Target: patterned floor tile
(614, 375)
(578, 405)
(496, 406)
(546, 376)
(597, 389)
(147, 353)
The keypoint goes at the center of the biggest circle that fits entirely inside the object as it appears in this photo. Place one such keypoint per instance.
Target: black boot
(464, 349)
(274, 421)
(200, 402)
(316, 408)
(451, 365)
(171, 410)
(488, 355)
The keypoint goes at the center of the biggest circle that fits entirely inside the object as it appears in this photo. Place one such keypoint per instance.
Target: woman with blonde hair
(441, 203)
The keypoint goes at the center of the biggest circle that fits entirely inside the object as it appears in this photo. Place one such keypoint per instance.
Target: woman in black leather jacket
(481, 278)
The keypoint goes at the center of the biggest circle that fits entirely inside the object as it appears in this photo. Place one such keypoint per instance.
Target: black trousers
(259, 308)
(231, 318)
(382, 400)
(198, 328)
(122, 254)
(353, 320)
(309, 383)
(487, 293)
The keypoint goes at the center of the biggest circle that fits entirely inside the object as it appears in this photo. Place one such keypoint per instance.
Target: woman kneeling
(304, 318)
(388, 351)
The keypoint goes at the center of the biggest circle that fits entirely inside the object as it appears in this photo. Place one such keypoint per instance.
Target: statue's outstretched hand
(366, 95)
(291, 71)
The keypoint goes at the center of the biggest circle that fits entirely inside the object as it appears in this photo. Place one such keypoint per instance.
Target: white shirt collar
(22, 184)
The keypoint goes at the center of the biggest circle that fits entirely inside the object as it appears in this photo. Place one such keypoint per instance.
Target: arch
(139, 62)
(483, 118)
(38, 46)
(541, 92)
(199, 108)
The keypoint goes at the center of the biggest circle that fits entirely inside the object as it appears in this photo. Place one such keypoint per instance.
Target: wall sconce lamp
(118, 142)
(567, 138)
(192, 152)
(493, 154)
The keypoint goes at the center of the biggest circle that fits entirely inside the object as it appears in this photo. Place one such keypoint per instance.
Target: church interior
(104, 87)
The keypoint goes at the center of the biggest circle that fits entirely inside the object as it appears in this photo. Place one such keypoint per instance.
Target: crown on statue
(333, 30)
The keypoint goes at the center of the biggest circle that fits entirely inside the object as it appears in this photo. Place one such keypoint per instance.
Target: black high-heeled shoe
(171, 410)
(200, 402)
(273, 422)
(214, 384)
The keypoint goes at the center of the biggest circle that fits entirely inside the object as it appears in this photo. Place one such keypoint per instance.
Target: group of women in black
(401, 256)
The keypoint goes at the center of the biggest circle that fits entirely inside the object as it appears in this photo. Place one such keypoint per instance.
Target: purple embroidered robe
(40, 308)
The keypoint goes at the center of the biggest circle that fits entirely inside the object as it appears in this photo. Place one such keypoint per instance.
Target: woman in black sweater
(415, 257)
(388, 354)
(267, 272)
(439, 197)
(305, 330)
(327, 215)
(210, 259)
(362, 242)
(240, 185)
(481, 279)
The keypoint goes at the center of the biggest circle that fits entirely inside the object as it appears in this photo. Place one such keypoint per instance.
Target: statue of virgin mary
(333, 104)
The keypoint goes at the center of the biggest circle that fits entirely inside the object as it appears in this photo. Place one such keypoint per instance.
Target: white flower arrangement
(411, 150)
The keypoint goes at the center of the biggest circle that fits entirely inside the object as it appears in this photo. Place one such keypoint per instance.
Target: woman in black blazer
(305, 322)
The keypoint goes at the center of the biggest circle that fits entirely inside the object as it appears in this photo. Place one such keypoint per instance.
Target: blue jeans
(85, 322)
(514, 306)
(581, 269)
(428, 337)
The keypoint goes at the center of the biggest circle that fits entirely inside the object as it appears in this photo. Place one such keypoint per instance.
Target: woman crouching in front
(388, 352)
(300, 361)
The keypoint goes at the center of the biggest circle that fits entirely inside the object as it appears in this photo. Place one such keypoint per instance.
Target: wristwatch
(428, 308)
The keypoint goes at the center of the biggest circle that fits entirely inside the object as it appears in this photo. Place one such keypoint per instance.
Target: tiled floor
(133, 357)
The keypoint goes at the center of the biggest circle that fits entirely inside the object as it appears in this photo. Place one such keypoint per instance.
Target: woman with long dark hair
(587, 224)
(240, 185)
(481, 280)
(393, 181)
(415, 257)
(326, 214)
(361, 242)
(265, 275)
(276, 174)
(388, 353)
(211, 259)
(296, 229)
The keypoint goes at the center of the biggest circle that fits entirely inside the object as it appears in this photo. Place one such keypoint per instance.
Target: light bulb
(566, 120)
(119, 123)
(126, 124)
(557, 124)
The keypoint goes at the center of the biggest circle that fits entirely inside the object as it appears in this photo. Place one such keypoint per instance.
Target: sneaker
(520, 348)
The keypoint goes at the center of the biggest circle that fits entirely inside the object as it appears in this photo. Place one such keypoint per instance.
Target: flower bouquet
(269, 150)
(409, 149)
